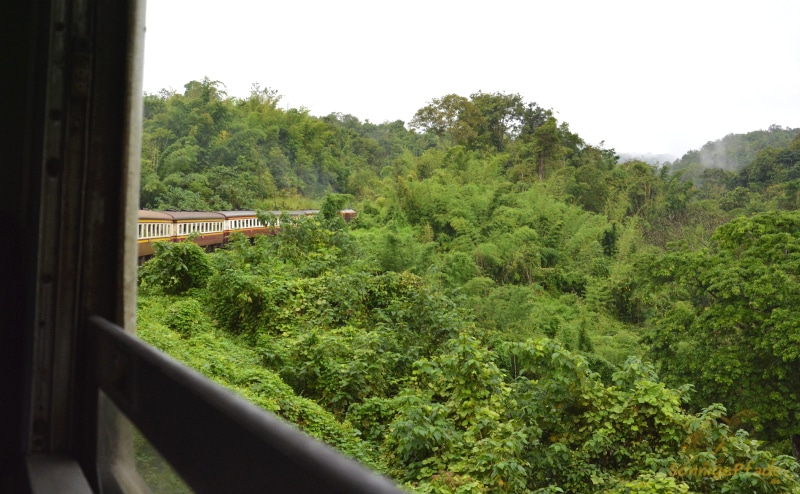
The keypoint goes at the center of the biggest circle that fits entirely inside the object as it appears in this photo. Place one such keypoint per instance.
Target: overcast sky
(643, 76)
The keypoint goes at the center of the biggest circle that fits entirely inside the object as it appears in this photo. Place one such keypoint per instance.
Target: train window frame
(84, 371)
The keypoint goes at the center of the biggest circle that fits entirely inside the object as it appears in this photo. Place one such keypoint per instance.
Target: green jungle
(512, 310)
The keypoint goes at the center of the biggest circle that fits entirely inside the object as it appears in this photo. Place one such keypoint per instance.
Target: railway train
(209, 229)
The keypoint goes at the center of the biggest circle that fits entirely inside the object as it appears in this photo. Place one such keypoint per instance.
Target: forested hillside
(513, 310)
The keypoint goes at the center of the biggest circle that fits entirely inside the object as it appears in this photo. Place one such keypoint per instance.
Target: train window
(81, 377)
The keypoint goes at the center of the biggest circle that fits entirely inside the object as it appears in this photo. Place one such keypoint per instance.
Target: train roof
(146, 214)
(238, 214)
(195, 215)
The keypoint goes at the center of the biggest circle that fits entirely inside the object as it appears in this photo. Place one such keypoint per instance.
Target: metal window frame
(82, 149)
(216, 440)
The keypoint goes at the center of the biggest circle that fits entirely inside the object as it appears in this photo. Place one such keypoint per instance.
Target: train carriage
(208, 229)
(348, 214)
(154, 226)
(205, 228)
(245, 222)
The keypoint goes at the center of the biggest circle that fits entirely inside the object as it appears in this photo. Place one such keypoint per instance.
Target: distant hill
(734, 151)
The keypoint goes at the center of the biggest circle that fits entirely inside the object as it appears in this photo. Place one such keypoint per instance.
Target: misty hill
(650, 158)
(734, 151)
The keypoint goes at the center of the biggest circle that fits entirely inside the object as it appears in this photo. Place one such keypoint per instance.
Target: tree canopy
(512, 310)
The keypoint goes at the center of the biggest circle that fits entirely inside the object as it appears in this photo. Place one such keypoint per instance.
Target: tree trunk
(796, 445)
(541, 167)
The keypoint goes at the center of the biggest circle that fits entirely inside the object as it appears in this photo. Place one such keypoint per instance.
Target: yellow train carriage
(154, 226)
(205, 228)
(245, 222)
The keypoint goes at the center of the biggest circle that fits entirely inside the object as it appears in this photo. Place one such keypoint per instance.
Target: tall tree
(445, 117)
(732, 328)
(547, 144)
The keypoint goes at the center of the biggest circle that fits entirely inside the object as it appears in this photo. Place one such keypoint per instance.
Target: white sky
(643, 76)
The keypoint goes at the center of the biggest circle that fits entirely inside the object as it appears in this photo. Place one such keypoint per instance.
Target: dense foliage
(487, 322)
